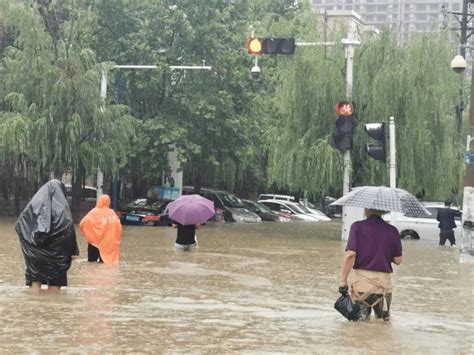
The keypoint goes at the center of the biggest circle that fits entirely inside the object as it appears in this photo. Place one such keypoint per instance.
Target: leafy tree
(53, 110)
(204, 113)
(412, 82)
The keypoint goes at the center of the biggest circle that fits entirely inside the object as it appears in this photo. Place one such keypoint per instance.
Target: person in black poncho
(47, 237)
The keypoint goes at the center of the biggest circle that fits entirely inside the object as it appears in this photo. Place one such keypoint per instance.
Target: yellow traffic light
(254, 46)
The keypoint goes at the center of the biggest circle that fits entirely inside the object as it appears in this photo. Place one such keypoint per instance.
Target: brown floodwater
(266, 288)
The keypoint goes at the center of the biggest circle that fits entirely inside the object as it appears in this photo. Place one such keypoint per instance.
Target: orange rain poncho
(102, 228)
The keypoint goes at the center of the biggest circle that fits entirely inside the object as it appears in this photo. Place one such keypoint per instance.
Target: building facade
(402, 16)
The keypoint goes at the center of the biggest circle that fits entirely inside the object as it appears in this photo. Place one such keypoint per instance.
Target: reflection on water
(267, 288)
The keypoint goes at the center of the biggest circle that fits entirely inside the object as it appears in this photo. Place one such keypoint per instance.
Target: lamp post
(463, 18)
(467, 233)
(459, 65)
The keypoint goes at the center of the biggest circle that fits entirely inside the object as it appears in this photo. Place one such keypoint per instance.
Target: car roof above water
(276, 197)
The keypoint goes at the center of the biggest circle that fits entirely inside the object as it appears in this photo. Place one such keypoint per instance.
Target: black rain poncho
(47, 235)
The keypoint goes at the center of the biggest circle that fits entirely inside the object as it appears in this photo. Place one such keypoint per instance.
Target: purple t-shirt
(375, 242)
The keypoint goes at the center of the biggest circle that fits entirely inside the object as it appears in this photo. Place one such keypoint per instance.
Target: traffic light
(254, 46)
(259, 46)
(279, 45)
(345, 125)
(376, 150)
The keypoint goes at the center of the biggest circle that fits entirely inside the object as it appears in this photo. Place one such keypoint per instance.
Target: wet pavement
(266, 288)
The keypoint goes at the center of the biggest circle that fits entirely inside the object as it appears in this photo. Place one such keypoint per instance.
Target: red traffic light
(345, 125)
(254, 46)
(344, 108)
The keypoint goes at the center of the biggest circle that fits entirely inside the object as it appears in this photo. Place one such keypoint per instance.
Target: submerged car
(145, 212)
(276, 197)
(332, 210)
(265, 213)
(421, 227)
(292, 208)
(88, 193)
(311, 209)
(229, 205)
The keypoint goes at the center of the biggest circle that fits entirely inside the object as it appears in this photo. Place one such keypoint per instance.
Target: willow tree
(203, 112)
(50, 87)
(301, 156)
(412, 82)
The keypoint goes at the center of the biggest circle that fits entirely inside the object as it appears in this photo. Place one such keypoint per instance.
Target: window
(273, 206)
(214, 198)
(230, 200)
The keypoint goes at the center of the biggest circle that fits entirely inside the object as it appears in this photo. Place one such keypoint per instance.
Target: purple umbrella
(191, 209)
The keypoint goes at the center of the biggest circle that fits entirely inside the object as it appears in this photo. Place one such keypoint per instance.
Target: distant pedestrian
(47, 237)
(446, 217)
(186, 239)
(103, 231)
(372, 247)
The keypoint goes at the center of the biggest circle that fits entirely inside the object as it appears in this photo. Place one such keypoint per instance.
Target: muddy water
(267, 288)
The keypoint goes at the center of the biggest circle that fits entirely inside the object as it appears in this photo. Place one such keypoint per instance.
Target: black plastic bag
(346, 306)
(46, 232)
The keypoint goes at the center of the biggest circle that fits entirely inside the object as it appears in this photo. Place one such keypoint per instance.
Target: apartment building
(402, 16)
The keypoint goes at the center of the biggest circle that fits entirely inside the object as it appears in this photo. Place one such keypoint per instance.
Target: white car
(277, 197)
(311, 209)
(292, 208)
(421, 227)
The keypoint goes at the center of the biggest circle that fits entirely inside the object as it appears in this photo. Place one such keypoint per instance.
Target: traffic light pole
(392, 164)
(350, 44)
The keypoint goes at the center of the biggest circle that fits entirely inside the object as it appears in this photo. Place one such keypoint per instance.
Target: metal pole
(463, 37)
(348, 212)
(103, 95)
(467, 240)
(349, 75)
(116, 183)
(393, 153)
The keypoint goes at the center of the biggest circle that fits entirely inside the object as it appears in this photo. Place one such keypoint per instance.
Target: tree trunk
(76, 193)
(16, 205)
(198, 180)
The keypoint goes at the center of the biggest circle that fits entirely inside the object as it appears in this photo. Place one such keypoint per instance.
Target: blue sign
(469, 158)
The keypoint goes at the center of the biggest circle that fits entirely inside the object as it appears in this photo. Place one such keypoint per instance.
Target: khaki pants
(372, 289)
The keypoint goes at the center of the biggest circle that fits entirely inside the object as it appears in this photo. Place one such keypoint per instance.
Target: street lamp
(459, 65)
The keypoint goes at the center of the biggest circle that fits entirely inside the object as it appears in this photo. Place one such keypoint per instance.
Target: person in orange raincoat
(103, 230)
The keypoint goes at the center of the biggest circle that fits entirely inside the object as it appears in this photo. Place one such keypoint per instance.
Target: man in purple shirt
(372, 247)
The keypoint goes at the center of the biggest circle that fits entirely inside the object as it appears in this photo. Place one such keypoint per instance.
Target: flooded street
(266, 288)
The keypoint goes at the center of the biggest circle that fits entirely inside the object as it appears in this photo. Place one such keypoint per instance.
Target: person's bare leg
(54, 289)
(35, 286)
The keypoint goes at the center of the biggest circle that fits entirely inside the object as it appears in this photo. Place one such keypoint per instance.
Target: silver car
(294, 209)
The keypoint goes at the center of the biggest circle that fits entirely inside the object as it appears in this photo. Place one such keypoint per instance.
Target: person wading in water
(372, 247)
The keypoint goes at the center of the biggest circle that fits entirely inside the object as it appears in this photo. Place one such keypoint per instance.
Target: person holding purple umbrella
(189, 212)
(186, 239)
